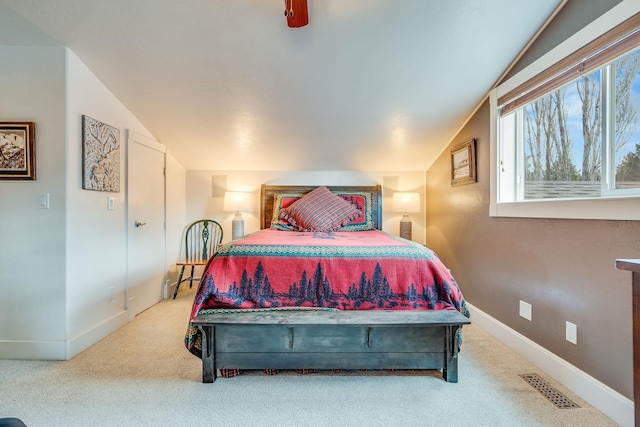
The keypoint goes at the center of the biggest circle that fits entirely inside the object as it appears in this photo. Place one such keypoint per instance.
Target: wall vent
(547, 390)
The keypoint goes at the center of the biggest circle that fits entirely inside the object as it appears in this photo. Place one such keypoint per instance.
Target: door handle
(140, 224)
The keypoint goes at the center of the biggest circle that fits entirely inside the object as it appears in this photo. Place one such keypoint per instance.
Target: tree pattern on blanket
(372, 291)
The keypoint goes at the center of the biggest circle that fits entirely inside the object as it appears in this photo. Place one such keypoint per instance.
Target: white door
(145, 223)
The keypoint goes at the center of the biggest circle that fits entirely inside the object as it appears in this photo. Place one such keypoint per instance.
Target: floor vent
(547, 390)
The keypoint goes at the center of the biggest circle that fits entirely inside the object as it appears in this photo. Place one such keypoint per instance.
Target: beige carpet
(143, 376)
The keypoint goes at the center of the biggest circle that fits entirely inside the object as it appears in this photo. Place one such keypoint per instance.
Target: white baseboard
(600, 396)
(92, 336)
(33, 350)
(63, 349)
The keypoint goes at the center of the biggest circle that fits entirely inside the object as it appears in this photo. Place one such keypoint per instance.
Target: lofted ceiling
(227, 85)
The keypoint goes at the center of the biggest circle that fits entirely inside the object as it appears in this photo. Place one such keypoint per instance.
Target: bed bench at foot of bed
(349, 339)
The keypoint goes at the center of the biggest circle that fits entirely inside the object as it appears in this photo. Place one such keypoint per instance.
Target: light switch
(110, 203)
(43, 201)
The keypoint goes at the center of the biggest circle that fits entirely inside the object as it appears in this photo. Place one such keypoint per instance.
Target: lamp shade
(406, 202)
(236, 201)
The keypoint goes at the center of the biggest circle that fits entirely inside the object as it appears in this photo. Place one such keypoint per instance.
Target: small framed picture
(17, 150)
(463, 163)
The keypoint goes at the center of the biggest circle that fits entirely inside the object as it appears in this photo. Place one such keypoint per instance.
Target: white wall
(57, 264)
(201, 204)
(96, 236)
(32, 256)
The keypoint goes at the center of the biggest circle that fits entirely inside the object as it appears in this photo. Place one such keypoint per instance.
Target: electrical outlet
(525, 310)
(572, 333)
(110, 293)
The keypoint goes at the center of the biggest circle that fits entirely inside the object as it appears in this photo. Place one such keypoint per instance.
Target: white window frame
(608, 208)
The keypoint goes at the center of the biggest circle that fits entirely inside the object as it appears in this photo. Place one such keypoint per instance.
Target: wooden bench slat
(342, 317)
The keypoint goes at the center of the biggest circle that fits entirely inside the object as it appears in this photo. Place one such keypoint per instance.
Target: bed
(320, 286)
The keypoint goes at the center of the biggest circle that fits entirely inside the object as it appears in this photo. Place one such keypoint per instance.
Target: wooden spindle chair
(201, 240)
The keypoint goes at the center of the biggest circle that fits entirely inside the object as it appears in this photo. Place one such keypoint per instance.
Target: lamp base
(405, 227)
(237, 226)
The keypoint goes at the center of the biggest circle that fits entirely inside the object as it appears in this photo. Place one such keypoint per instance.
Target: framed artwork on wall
(463, 163)
(17, 150)
(100, 156)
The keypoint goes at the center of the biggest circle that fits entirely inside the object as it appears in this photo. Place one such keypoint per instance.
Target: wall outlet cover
(525, 310)
(43, 201)
(572, 333)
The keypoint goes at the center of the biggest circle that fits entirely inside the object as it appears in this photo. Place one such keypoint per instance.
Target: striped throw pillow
(320, 210)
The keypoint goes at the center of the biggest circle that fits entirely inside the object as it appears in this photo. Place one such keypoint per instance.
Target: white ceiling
(227, 85)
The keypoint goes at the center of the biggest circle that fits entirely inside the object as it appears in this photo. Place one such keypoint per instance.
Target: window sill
(626, 209)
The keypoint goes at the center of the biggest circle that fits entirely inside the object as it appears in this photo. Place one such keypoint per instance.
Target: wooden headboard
(267, 193)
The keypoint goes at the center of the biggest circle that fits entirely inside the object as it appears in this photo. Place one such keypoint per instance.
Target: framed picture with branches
(17, 150)
(463, 163)
(100, 156)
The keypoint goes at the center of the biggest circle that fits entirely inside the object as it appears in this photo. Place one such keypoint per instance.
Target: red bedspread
(364, 270)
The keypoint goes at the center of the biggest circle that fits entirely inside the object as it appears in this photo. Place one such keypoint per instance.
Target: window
(571, 133)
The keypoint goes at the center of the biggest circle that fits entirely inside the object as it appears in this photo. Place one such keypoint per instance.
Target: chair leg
(191, 278)
(175, 293)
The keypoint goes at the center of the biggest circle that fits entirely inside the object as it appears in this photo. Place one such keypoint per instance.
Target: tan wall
(563, 268)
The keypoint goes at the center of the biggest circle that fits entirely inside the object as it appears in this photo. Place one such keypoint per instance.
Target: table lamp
(237, 201)
(406, 203)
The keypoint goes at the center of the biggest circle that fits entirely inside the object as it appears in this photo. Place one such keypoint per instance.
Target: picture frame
(17, 151)
(100, 156)
(463, 163)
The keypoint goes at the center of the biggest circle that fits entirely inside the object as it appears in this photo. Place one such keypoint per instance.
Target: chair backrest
(201, 240)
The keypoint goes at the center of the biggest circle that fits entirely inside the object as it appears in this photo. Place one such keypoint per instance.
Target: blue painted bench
(349, 339)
